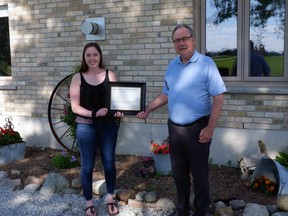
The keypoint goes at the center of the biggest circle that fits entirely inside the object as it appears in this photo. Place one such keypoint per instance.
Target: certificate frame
(126, 97)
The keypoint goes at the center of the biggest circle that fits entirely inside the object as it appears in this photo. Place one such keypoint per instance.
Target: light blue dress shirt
(190, 88)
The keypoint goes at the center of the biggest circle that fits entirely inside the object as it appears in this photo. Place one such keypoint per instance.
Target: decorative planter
(12, 152)
(162, 164)
(273, 170)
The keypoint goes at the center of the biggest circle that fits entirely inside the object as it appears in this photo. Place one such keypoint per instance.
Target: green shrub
(282, 159)
(64, 160)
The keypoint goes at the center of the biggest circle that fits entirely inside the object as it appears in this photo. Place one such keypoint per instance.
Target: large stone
(34, 180)
(227, 211)
(165, 204)
(10, 183)
(282, 203)
(255, 210)
(138, 204)
(54, 183)
(99, 187)
(125, 194)
(76, 183)
(3, 175)
(237, 204)
(140, 196)
(151, 197)
(31, 188)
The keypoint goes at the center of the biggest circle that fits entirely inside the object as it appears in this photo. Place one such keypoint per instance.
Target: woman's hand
(101, 112)
(118, 114)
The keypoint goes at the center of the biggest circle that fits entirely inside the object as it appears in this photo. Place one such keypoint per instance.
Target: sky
(224, 35)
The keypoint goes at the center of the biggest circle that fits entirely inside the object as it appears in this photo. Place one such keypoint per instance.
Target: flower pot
(162, 164)
(12, 152)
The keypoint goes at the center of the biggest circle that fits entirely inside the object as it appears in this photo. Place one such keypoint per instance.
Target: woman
(96, 128)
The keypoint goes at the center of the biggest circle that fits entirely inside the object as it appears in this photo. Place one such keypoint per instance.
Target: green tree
(261, 11)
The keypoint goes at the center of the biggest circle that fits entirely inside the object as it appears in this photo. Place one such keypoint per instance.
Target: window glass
(221, 34)
(5, 58)
(267, 23)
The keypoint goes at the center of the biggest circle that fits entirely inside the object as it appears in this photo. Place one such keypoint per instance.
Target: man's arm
(157, 102)
(207, 132)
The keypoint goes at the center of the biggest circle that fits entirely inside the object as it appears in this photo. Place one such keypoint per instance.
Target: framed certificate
(126, 97)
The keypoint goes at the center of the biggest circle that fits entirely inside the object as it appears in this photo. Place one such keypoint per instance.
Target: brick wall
(46, 42)
(255, 111)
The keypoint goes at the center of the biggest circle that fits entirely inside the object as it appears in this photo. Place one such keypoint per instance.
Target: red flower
(9, 136)
(164, 148)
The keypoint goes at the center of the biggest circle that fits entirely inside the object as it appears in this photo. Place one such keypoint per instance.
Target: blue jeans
(102, 135)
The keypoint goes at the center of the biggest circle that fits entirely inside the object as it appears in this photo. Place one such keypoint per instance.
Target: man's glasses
(184, 39)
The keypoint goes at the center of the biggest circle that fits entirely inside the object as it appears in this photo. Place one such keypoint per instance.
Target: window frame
(5, 13)
(243, 36)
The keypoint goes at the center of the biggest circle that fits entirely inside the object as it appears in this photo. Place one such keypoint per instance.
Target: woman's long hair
(84, 66)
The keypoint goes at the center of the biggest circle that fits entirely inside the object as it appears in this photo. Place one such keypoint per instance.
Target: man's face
(184, 43)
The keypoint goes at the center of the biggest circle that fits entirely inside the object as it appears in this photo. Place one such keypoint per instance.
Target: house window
(246, 39)
(5, 57)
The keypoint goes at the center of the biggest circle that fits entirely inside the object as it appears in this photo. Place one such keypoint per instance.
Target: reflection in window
(5, 59)
(221, 34)
(267, 21)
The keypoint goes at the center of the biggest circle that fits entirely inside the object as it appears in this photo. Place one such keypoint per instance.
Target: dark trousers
(187, 154)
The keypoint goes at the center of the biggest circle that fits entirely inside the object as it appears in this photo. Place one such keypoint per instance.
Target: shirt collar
(193, 59)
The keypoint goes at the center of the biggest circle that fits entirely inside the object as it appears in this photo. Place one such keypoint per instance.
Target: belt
(189, 124)
(83, 120)
(89, 120)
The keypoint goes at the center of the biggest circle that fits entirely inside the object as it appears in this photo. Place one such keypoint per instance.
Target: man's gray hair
(183, 26)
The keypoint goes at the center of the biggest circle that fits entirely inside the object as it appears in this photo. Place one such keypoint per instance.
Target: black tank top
(92, 97)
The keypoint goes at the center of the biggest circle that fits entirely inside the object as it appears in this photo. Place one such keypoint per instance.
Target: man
(191, 81)
(259, 66)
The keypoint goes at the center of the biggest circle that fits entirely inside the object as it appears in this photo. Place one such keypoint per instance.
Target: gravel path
(20, 202)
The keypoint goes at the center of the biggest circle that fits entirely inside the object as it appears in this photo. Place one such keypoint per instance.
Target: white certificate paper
(125, 98)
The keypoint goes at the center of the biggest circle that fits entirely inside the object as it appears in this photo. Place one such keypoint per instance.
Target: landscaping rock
(282, 203)
(125, 194)
(3, 175)
(54, 183)
(165, 204)
(255, 210)
(151, 197)
(76, 183)
(99, 187)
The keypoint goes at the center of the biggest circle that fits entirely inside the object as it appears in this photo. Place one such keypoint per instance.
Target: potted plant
(161, 157)
(12, 146)
(264, 185)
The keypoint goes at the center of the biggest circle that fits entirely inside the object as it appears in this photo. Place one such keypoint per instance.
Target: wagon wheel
(62, 127)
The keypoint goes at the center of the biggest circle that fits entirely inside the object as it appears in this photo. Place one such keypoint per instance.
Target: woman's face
(92, 57)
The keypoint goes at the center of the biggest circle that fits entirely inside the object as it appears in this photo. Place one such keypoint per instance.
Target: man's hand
(142, 115)
(205, 135)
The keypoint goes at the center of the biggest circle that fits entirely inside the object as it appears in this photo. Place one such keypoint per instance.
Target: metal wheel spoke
(59, 101)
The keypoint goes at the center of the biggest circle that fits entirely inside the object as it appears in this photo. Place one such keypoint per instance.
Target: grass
(276, 64)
